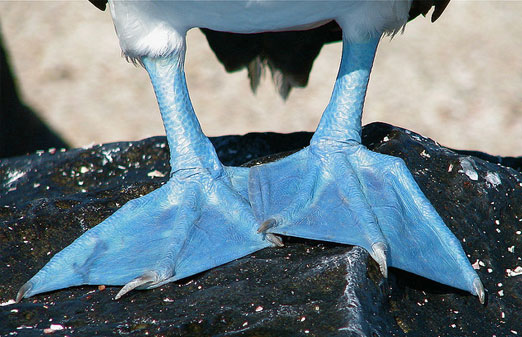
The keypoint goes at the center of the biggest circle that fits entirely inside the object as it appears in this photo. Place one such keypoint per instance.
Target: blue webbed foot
(192, 223)
(342, 192)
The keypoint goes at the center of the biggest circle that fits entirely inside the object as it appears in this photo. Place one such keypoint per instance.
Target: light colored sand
(458, 81)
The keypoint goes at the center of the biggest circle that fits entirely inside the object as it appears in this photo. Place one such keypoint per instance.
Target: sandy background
(458, 81)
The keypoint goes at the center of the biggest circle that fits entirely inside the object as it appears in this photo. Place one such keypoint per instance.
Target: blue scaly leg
(199, 219)
(337, 190)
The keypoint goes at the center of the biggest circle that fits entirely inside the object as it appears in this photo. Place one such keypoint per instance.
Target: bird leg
(199, 219)
(337, 190)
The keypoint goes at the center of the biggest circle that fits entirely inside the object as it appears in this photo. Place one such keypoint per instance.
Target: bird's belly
(254, 16)
(151, 27)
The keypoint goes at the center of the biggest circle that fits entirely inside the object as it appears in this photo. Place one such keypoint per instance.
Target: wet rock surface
(306, 288)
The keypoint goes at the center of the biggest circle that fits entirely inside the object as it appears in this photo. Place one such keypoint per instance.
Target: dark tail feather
(288, 55)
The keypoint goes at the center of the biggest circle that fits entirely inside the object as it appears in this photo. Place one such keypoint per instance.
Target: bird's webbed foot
(194, 222)
(342, 192)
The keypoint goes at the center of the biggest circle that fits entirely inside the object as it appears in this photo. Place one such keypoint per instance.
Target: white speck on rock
(516, 272)
(13, 176)
(56, 327)
(475, 265)
(385, 139)
(108, 155)
(155, 174)
(501, 293)
(450, 167)
(24, 327)
(468, 168)
(7, 303)
(511, 249)
(53, 328)
(425, 154)
(417, 138)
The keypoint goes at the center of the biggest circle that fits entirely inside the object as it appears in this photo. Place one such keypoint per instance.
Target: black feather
(289, 55)
(100, 4)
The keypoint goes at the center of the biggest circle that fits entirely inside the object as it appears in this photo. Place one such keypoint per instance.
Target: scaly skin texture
(198, 220)
(337, 190)
(207, 214)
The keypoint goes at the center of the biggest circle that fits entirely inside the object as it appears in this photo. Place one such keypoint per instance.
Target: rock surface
(306, 288)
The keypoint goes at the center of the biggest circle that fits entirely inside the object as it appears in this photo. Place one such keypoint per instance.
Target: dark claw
(23, 290)
(266, 225)
(146, 278)
(479, 289)
(275, 240)
(378, 253)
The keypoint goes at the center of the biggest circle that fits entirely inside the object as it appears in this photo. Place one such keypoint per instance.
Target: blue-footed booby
(335, 189)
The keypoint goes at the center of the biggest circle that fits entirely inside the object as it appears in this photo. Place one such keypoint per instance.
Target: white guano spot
(13, 176)
(425, 154)
(468, 169)
(493, 179)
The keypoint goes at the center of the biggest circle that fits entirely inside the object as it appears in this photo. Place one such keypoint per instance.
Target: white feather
(157, 28)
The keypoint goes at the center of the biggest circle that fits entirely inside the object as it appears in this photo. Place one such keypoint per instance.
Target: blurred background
(457, 81)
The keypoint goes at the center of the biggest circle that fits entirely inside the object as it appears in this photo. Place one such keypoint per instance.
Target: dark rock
(306, 288)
